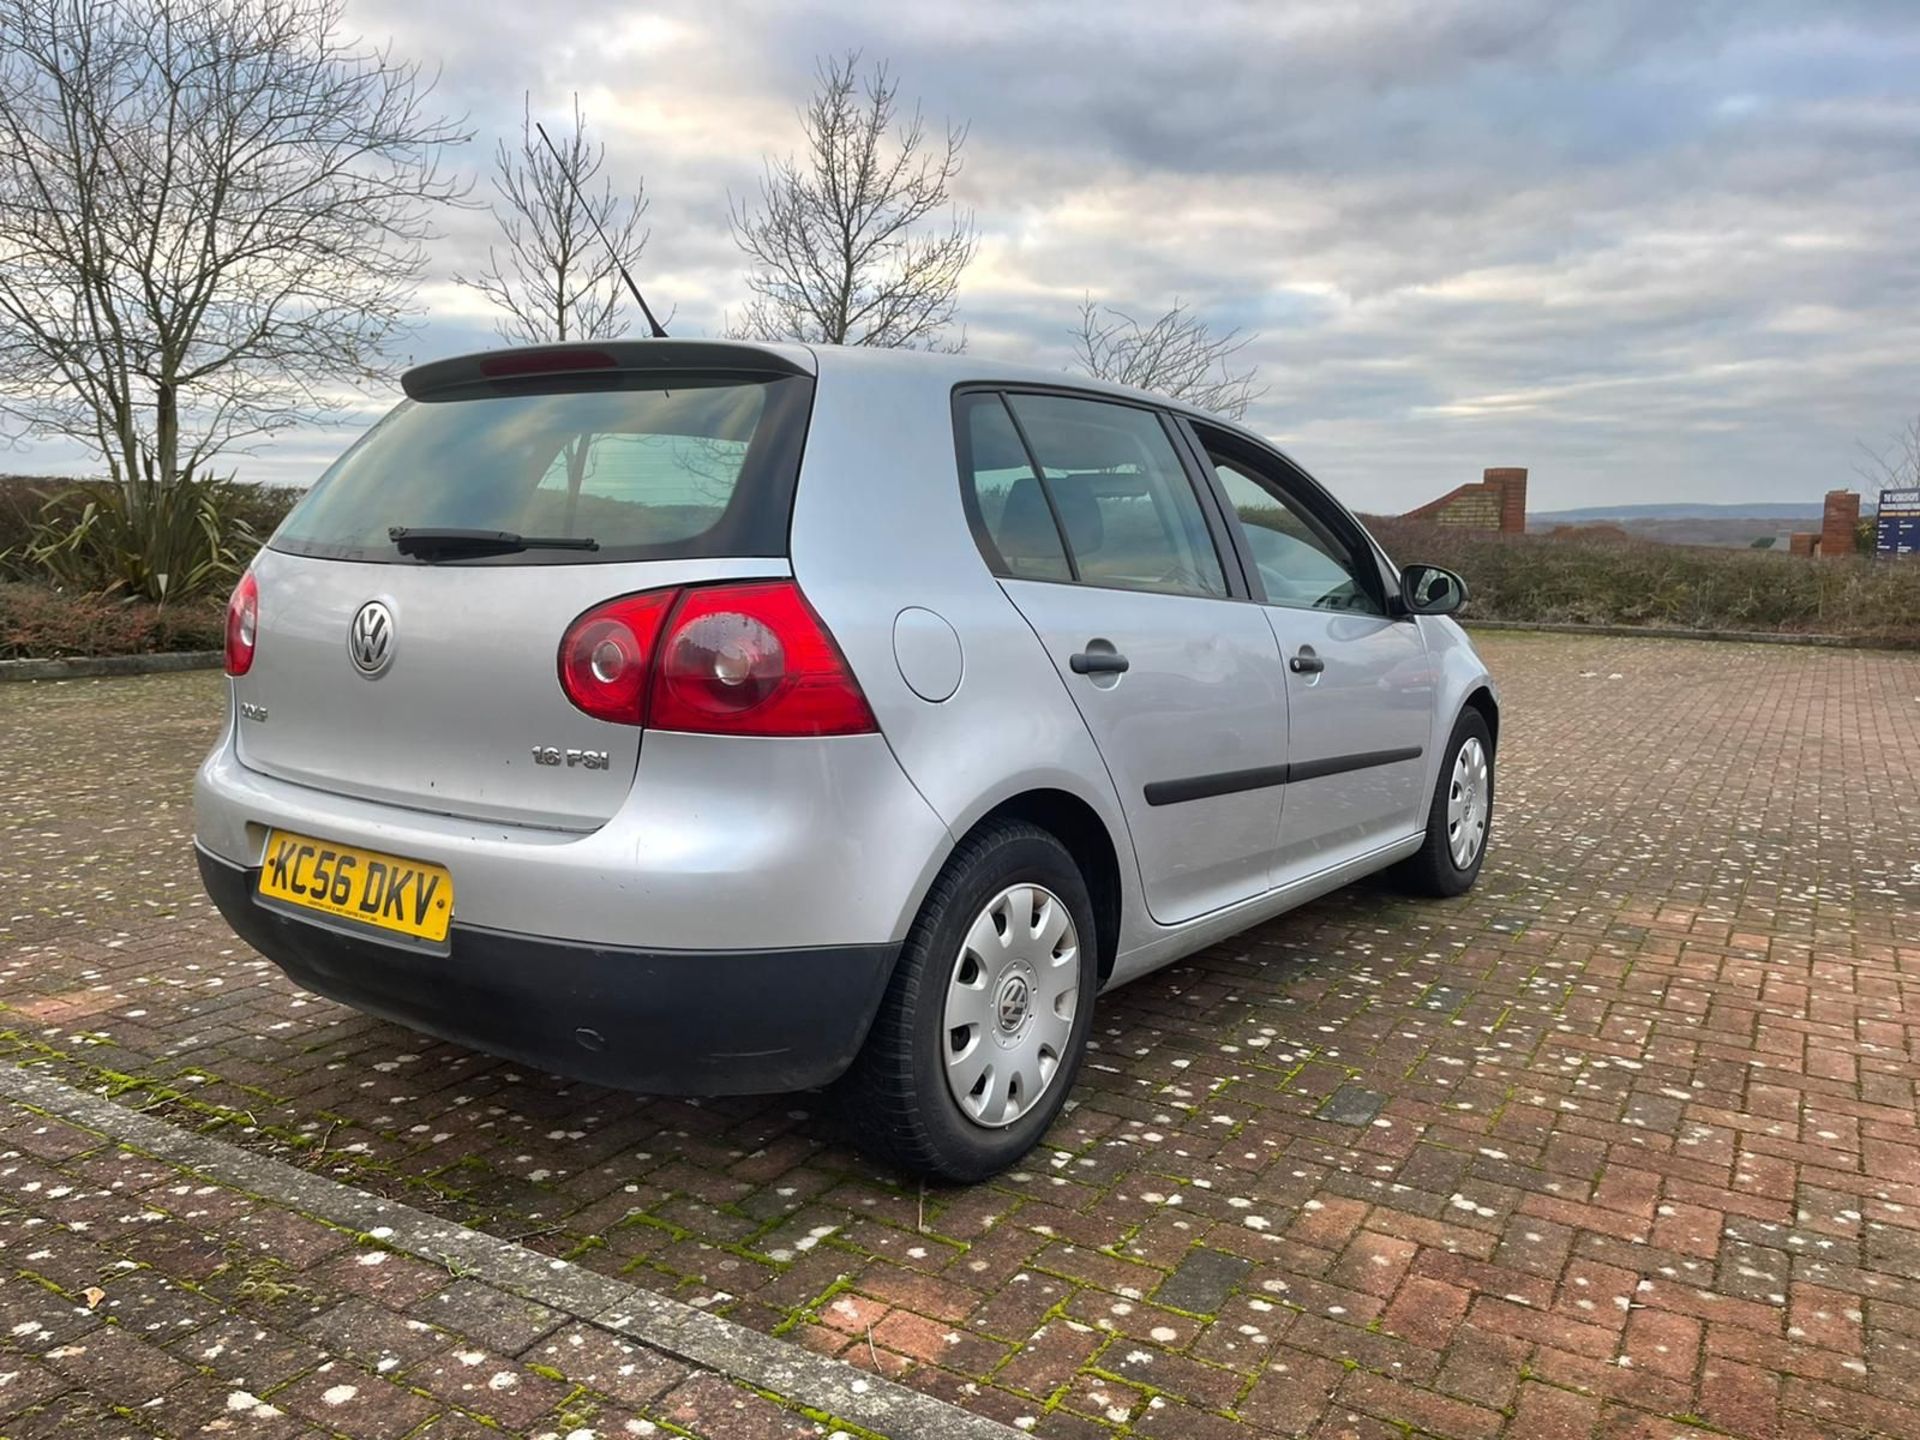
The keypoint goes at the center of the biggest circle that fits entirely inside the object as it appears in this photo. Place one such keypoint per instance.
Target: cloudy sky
(1652, 250)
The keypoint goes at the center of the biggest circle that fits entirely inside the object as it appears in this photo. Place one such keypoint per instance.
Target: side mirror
(1431, 590)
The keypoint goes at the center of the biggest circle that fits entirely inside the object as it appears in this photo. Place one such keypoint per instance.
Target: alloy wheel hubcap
(1010, 1003)
(1468, 794)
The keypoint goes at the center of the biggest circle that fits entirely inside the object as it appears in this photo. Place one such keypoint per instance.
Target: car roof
(942, 369)
(935, 369)
(968, 368)
(948, 371)
(938, 367)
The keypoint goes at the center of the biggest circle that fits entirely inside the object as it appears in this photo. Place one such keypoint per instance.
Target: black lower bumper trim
(666, 1022)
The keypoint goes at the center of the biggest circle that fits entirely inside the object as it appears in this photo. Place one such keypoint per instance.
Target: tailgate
(468, 693)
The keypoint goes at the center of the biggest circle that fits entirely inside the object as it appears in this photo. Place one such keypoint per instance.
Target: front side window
(1121, 495)
(1301, 561)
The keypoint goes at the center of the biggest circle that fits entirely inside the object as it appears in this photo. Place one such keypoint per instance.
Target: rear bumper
(666, 1022)
(722, 842)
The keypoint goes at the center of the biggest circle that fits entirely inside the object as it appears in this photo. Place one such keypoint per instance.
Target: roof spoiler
(587, 357)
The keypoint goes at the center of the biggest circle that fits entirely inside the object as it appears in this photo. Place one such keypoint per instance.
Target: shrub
(139, 538)
(263, 507)
(42, 623)
(1644, 582)
(24, 502)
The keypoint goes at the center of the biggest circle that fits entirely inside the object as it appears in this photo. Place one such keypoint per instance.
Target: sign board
(1898, 532)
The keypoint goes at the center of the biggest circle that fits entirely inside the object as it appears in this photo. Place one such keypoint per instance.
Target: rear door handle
(1306, 662)
(1098, 662)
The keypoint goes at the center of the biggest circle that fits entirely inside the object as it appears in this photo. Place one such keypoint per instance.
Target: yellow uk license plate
(394, 893)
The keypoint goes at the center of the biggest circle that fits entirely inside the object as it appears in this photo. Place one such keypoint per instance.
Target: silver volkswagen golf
(702, 718)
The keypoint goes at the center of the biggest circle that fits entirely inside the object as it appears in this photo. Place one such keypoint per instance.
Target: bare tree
(1177, 355)
(557, 281)
(212, 214)
(1896, 465)
(847, 245)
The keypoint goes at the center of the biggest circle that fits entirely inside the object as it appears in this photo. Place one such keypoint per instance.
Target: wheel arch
(1481, 699)
(1078, 826)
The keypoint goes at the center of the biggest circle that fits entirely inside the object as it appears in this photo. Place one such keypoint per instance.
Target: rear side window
(1009, 506)
(1131, 517)
(648, 466)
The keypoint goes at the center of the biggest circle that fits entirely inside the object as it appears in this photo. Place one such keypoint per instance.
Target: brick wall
(1511, 483)
(1839, 522)
(1497, 502)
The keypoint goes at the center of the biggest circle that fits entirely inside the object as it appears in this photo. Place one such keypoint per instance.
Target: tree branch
(1177, 355)
(845, 247)
(213, 213)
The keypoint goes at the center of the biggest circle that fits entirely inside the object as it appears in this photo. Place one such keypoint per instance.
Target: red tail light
(243, 625)
(754, 660)
(606, 659)
(749, 659)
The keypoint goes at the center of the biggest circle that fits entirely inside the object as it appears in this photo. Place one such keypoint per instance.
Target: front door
(1360, 684)
(1104, 546)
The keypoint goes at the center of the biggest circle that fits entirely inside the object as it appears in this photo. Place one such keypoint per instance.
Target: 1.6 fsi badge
(581, 759)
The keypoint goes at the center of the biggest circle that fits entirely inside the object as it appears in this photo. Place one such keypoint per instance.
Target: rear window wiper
(438, 543)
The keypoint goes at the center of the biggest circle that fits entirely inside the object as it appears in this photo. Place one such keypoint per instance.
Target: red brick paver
(1621, 1144)
(136, 1309)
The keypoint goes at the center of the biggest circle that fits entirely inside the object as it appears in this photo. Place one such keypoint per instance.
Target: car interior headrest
(1026, 524)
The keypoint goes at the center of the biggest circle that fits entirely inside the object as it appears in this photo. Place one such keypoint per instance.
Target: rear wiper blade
(434, 543)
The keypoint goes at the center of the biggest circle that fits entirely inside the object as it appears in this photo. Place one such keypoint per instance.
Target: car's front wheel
(1459, 815)
(985, 1019)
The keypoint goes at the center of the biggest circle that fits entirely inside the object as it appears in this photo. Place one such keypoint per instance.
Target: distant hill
(1735, 526)
(1744, 510)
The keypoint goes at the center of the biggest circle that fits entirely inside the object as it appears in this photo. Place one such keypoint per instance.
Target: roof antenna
(659, 330)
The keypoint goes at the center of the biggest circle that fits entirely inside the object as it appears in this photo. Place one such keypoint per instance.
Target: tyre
(985, 1020)
(1460, 816)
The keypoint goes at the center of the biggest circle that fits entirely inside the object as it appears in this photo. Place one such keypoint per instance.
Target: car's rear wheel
(985, 1019)
(1459, 816)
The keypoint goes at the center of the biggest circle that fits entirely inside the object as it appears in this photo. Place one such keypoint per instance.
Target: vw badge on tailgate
(370, 639)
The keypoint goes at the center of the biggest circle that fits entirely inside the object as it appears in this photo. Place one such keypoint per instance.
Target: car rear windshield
(647, 466)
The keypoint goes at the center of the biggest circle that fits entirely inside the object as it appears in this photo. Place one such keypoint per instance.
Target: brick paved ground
(145, 1302)
(1622, 1144)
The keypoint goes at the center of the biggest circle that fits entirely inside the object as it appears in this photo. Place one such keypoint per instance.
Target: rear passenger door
(1359, 680)
(1088, 513)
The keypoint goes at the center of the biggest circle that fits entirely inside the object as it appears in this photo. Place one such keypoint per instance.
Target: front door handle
(1098, 662)
(1306, 662)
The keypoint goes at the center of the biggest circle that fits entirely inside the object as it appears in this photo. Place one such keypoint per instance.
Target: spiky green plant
(140, 538)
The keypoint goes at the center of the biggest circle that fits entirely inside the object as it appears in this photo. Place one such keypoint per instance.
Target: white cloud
(1651, 251)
